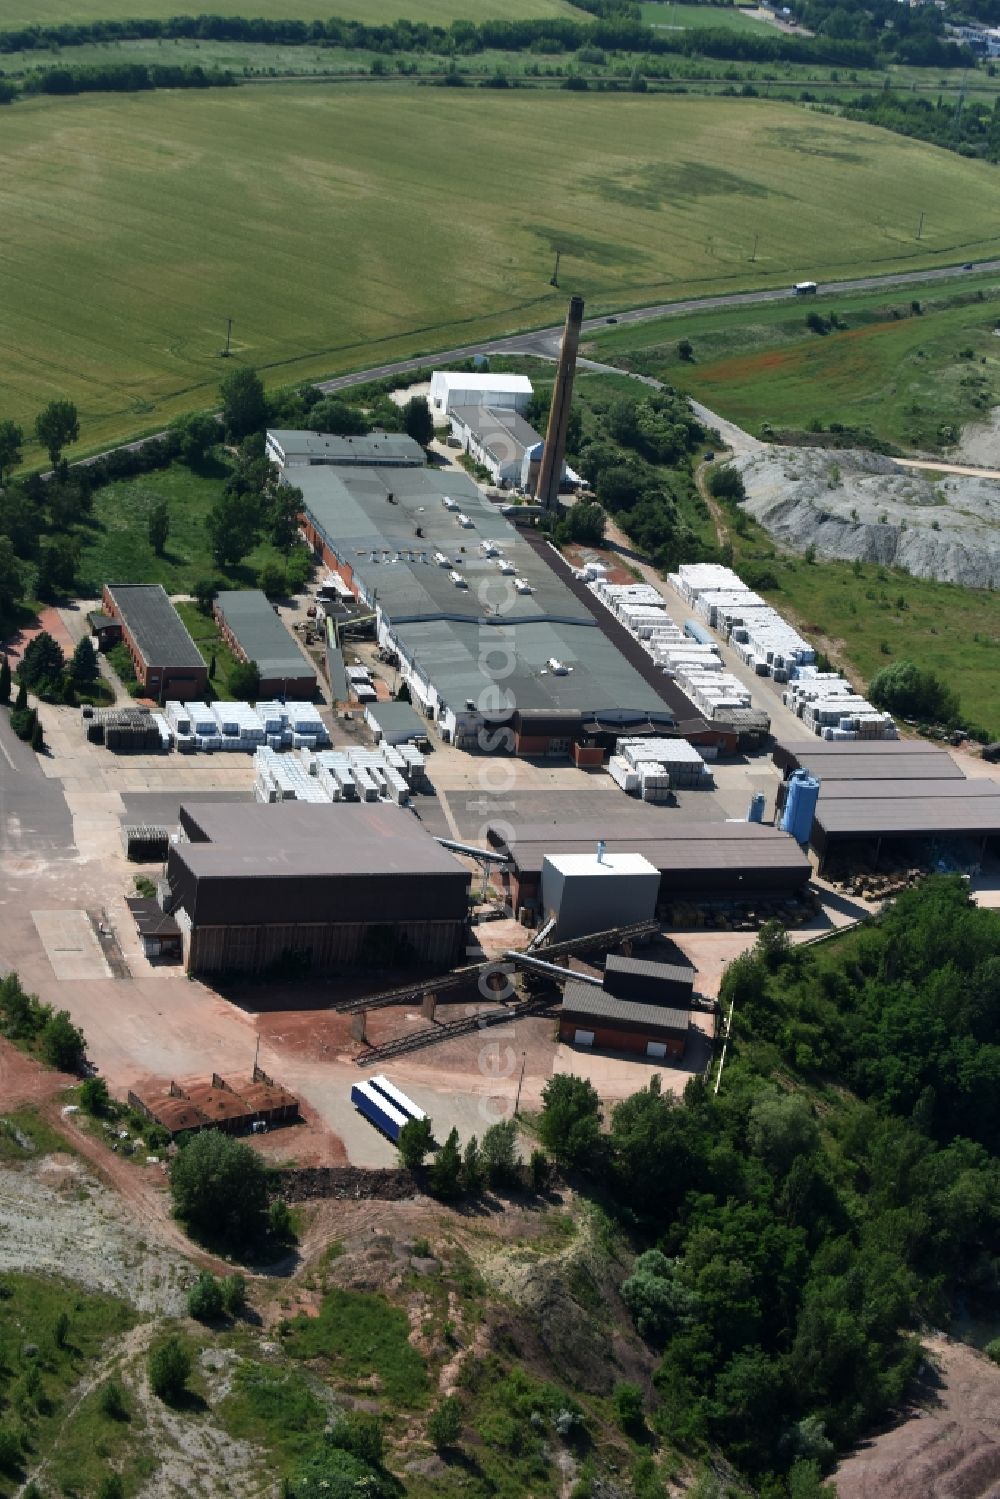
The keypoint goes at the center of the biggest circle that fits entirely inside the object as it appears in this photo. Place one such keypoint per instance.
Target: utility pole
(756, 241)
(920, 226)
(229, 338)
(517, 1100)
(554, 281)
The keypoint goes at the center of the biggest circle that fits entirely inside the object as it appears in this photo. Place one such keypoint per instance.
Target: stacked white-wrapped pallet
(654, 781)
(763, 639)
(676, 757)
(623, 774)
(332, 769)
(164, 730)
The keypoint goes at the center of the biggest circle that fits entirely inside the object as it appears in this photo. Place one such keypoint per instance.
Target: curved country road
(545, 341)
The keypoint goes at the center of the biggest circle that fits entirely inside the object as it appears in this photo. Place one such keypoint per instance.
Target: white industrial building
(504, 443)
(450, 388)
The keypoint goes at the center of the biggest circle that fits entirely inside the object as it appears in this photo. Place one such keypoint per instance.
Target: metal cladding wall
(251, 949)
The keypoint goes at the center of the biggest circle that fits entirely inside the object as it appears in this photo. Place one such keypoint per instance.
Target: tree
(244, 681)
(219, 1188)
(727, 484)
(910, 692)
(585, 523)
(197, 434)
(170, 1364)
(11, 576)
(10, 1450)
(685, 350)
(445, 1176)
(281, 516)
(57, 565)
(21, 700)
(498, 1153)
(57, 425)
(444, 1424)
(42, 664)
(111, 1486)
(94, 1097)
(360, 1434)
(279, 1222)
(62, 1044)
(403, 694)
(205, 1299)
(273, 579)
(414, 1142)
(83, 664)
(660, 1304)
(60, 1329)
(158, 527)
(204, 592)
(780, 1129)
(11, 441)
(472, 1167)
(331, 1473)
(233, 526)
(570, 1124)
(417, 420)
(244, 408)
(298, 568)
(5, 680)
(336, 417)
(111, 1401)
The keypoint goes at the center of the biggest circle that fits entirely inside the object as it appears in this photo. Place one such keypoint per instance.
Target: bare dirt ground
(25, 1081)
(948, 1448)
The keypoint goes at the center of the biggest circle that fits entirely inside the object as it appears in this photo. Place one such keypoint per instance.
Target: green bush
(219, 1188)
(61, 1043)
(234, 1294)
(169, 1370)
(10, 1450)
(205, 1299)
(94, 1097)
(444, 1424)
(111, 1401)
(111, 1486)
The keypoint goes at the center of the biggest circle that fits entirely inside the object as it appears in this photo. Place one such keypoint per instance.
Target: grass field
(17, 13)
(342, 227)
(697, 17)
(117, 545)
(867, 621)
(904, 378)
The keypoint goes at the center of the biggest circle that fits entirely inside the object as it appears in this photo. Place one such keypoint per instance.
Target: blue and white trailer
(378, 1110)
(396, 1096)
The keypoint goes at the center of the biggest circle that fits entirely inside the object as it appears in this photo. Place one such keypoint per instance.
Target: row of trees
(791, 1256)
(49, 1032)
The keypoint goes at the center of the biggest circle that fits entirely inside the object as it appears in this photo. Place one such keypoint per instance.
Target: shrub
(727, 484)
(10, 1450)
(244, 681)
(359, 1434)
(628, 1407)
(169, 1370)
(111, 1401)
(60, 1329)
(444, 1423)
(498, 1153)
(234, 1294)
(111, 1487)
(279, 1222)
(205, 1300)
(273, 580)
(414, 1142)
(62, 1044)
(570, 1124)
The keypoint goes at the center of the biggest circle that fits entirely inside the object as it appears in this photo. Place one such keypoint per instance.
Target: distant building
(450, 389)
(254, 632)
(293, 449)
(167, 662)
(315, 887)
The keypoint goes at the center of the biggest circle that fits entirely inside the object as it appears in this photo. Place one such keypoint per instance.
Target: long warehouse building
(315, 887)
(255, 633)
(700, 860)
(492, 642)
(903, 796)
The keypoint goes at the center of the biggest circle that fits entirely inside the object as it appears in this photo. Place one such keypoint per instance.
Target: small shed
(592, 1017)
(670, 984)
(160, 934)
(106, 631)
(395, 723)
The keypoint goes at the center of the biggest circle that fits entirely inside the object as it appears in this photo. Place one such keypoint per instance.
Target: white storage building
(450, 388)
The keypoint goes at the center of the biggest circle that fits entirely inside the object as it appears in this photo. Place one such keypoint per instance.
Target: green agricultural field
(16, 13)
(698, 17)
(345, 226)
(913, 379)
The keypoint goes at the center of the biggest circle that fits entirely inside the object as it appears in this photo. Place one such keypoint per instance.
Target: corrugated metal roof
(657, 973)
(261, 634)
(932, 767)
(831, 791)
(972, 816)
(397, 718)
(154, 624)
(728, 847)
(325, 447)
(504, 432)
(597, 1004)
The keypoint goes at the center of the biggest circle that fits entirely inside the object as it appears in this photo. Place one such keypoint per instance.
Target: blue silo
(800, 807)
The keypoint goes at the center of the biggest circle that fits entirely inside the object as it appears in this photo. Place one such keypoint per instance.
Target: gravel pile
(854, 504)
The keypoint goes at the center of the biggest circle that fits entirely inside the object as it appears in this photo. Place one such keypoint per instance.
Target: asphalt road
(545, 341)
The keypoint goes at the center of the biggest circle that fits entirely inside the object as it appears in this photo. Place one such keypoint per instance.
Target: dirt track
(948, 1448)
(24, 1081)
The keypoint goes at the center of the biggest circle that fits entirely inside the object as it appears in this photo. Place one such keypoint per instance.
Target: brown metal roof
(729, 847)
(260, 1098)
(831, 791)
(932, 767)
(150, 921)
(875, 747)
(174, 1114)
(643, 968)
(216, 1103)
(900, 817)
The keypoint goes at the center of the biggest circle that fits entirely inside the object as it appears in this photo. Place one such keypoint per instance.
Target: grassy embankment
(902, 377)
(17, 13)
(647, 198)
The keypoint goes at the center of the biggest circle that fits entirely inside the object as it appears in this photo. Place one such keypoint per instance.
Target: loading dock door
(655, 1049)
(583, 1038)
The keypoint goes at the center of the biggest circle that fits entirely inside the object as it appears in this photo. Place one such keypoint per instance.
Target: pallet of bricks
(244, 727)
(829, 706)
(144, 844)
(757, 632)
(127, 731)
(655, 768)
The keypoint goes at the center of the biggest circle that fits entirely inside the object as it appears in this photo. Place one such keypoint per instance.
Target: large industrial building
(894, 796)
(319, 886)
(167, 662)
(255, 633)
(491, 640)
(743, 861)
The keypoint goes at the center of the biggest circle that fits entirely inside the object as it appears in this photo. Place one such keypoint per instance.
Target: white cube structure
(597, 892)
